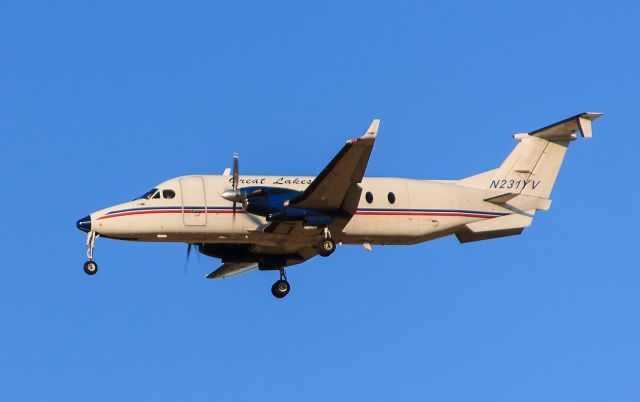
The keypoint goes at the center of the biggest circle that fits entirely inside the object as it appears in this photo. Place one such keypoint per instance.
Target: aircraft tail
(532, 167)
(524, 181)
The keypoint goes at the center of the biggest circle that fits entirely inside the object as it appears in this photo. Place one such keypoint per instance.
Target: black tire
(90, 267)
(326, 247)
(280, 289)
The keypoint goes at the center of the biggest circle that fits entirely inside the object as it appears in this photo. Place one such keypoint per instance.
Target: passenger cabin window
(369, 197)
(168, 194)
(391, 197)
(149, 194)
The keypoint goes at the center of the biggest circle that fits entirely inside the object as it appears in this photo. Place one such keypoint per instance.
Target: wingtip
(372, 131)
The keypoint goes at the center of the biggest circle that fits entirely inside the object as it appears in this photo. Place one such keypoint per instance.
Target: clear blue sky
(99, 102)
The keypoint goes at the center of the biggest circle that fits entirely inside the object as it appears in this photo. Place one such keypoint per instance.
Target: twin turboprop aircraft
(270, 222)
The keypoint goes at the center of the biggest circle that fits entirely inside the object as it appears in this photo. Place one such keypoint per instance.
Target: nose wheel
(91, 267)
(281, 288)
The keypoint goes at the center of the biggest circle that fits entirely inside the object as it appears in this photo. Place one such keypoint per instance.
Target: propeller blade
(236, 170)
(186, 260)
(234, 195)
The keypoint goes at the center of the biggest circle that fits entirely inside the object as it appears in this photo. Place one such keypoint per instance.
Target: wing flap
(284, 228)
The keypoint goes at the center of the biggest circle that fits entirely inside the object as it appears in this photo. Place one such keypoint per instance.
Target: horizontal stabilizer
(468, 236)
(232, 268)
(519, 201)
(508, 225)
(565, 130)
(502, 198)
(512, 221)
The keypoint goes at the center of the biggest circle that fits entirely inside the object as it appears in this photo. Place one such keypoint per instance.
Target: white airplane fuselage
(273, 222)
(399, 211)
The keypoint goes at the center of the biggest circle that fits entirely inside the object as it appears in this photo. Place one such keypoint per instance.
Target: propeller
(236, 177)
(234, 194)
(186, 260)
(188, 256)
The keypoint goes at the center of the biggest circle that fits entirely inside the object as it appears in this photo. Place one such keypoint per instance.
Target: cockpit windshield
(148, 194)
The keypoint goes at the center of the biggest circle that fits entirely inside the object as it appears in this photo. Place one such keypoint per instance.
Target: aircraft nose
(84, 224)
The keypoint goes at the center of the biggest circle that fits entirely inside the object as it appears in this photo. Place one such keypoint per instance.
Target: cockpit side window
(156, 195)
(149, 194)
(168, 194)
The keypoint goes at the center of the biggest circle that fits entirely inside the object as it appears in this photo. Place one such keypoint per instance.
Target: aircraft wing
(232, 268)
(266, 257)
(286, 227)
(335, 186)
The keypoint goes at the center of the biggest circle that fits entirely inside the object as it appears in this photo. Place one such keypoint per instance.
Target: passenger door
(194, 202)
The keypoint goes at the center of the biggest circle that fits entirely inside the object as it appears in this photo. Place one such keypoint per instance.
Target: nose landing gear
(281, 288)
(91, 267)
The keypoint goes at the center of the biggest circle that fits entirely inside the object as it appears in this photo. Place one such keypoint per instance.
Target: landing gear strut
(327, 246)
(90, 267)
(281, 288)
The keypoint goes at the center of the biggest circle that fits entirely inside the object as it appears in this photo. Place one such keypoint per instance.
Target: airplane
(273, 222)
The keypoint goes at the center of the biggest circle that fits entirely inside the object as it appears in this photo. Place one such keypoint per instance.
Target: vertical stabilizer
(533, 165)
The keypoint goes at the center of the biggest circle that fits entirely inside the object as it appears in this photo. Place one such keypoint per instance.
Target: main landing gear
(327, 246)
(281, 288)
(90, 267)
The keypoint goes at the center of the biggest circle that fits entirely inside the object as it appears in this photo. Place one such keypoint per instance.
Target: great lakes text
(279, 180)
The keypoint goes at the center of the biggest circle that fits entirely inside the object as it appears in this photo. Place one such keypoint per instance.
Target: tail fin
(533, 165)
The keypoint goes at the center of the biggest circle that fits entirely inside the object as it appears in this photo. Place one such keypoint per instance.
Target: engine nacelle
(263, 201)
(310, 217)
(272, 203)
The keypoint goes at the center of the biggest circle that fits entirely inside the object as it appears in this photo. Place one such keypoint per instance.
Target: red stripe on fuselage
(170, 211)
(239, 211)
(466, 215)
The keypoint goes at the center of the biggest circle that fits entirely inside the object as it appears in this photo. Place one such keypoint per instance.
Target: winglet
(372, 132)
(584, 123)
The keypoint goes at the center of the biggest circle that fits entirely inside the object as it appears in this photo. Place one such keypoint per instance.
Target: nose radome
(84, 224)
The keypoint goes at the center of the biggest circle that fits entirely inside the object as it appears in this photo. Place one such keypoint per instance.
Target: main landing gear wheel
(326, 247)
(90, 267)
(281, 288)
